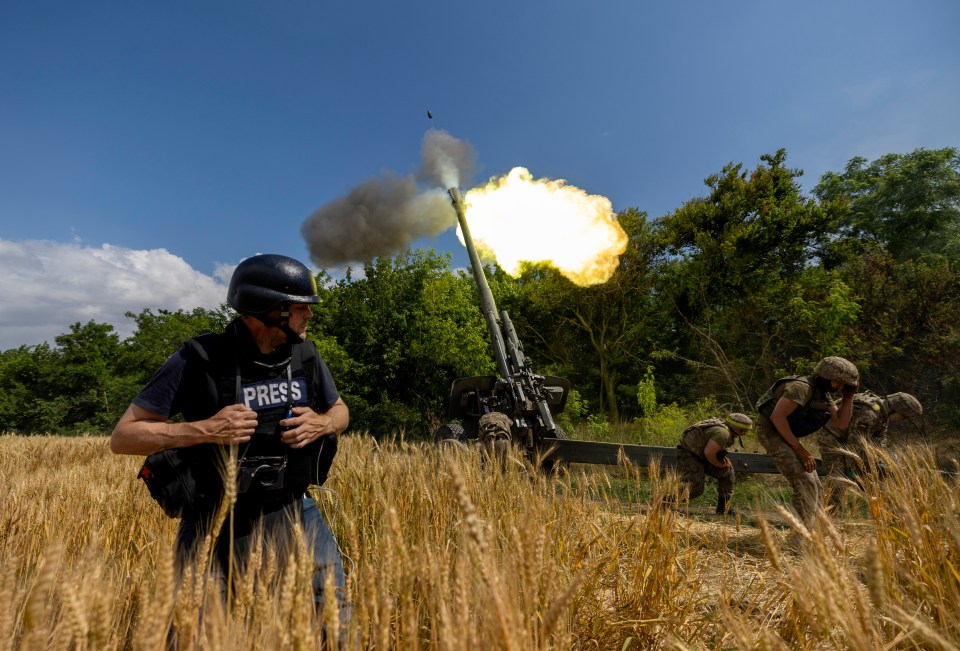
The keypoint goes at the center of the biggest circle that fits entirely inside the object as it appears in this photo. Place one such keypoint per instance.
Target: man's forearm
(141, 431)
(339, 416)
(844, 412)
(782, 427)
(146, 436)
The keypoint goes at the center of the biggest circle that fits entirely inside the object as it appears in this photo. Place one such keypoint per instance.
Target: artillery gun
(530, 401)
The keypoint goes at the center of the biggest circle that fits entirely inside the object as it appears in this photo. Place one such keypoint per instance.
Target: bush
(664, 426)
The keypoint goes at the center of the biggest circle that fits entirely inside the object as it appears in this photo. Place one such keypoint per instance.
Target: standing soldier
(703, 451)
(844, 450)
(796, 406)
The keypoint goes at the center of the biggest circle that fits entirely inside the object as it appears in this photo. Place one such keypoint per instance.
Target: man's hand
(809, 463)
(305, 427)
(848, 390)
(231, 425)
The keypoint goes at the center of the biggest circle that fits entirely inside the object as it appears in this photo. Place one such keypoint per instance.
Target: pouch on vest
(804, 422)
(172, 480)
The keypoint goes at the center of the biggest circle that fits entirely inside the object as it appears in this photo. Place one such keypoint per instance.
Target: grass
(442, 554)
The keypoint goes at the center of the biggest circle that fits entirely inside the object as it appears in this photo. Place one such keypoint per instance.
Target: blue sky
(146, 148)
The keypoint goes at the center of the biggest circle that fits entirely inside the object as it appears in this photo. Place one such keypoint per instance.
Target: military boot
(723, 505)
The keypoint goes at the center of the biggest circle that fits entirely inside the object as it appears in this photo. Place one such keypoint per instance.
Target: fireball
(516, 219)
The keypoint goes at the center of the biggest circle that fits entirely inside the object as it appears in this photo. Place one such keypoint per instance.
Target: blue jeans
(277, 523)
(326, 554)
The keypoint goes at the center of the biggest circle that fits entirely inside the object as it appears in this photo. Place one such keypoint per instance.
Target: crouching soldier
(844, 449)
(494, 435)
(799, 405)
(703, 451)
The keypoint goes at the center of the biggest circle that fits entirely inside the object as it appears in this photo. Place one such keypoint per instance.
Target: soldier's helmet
(838, 369)
(495, 425)
(739, 421)
(909, 406)
(263, 282)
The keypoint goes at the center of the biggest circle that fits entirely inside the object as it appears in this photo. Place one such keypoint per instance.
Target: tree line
(748, 282)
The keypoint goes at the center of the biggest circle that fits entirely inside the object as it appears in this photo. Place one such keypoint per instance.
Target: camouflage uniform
(868, 423)
(807, 489)
(844, 451)
(494, 434)
(693, 464)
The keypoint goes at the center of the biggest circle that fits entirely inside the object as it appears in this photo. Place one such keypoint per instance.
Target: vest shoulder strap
(704, 424)
(205, 348)
(768, 400)
(867, 398)
(793, 378)
(213, 349)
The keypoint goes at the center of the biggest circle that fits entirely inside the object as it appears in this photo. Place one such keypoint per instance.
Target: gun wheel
(449, 432)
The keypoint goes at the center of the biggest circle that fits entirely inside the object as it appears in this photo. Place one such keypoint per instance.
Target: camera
(261, 473)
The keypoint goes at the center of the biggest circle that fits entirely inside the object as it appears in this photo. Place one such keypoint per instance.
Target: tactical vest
(186, 481)
(869, 414)
(803, 420)
(868, 399)
(702, 425)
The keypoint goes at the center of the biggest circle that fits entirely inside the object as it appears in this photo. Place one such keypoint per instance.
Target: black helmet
(263, 282)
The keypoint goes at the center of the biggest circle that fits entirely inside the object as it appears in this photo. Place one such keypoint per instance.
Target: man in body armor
(797, 406)
(843, 450)
(703, 451)
(257, 396)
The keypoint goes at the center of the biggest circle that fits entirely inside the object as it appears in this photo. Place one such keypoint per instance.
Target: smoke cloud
(384, 214)
(446, 160)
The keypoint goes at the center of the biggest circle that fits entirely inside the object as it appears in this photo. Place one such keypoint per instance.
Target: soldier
(843, 450)
(703, 451)
(796, 406)
(494, 435)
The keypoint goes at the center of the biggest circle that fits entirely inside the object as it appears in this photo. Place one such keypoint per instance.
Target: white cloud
(46, 286)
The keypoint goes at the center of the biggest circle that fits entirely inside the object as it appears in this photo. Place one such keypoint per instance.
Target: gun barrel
(487, 305)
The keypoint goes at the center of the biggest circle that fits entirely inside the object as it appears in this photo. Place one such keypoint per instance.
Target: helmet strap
(824, 385)
(282, 324)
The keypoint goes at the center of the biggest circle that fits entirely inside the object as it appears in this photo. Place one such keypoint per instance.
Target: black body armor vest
(804, 420)
(187, 481)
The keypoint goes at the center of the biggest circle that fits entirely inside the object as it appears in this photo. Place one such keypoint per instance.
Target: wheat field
(442, 553)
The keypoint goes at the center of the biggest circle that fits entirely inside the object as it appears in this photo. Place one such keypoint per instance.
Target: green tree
(738, 273)
(28, 376)
(908, 203)
(909, 334)
(89, 388)
(160, 334)
(397, 337)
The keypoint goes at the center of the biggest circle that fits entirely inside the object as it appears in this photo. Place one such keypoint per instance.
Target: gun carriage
(530, 401)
